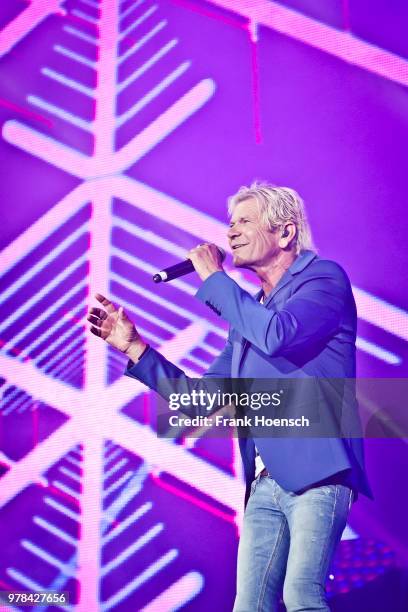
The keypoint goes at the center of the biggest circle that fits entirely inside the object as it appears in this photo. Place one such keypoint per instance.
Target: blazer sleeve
(221, 366)
(312, 314)
(163, 376)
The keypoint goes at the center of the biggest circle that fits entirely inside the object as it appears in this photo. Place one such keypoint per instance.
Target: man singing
(302, 323)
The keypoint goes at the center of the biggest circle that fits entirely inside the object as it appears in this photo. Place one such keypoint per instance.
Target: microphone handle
(180, 269)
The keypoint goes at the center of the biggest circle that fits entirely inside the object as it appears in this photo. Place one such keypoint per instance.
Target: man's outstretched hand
(114, 326)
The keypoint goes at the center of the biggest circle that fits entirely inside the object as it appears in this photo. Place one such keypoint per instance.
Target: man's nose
(232, 233)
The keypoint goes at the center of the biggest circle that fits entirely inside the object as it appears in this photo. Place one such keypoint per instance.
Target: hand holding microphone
(205, 259)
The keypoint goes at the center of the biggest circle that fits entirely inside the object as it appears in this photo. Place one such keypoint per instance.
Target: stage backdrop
(124, 127)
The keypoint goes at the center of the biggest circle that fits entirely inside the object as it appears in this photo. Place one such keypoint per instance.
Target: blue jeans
(288, 539)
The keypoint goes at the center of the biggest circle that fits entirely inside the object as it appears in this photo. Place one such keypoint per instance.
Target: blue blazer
(305, 328)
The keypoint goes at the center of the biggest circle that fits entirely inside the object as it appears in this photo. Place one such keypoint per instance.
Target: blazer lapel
(298, 265)
(286, 278)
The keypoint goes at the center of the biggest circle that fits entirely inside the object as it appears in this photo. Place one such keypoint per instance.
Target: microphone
(180, 269)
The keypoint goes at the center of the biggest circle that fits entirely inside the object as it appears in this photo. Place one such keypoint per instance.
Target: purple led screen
(125, 125)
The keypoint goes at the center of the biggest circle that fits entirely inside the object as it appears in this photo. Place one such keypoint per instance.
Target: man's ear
(288, 233)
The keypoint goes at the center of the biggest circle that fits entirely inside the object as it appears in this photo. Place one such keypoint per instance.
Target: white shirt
(259, 464)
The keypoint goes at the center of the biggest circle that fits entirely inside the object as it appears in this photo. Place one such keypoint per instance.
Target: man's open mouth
(237, 246)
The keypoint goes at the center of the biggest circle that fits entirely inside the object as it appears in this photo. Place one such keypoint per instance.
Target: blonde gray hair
(278, 205)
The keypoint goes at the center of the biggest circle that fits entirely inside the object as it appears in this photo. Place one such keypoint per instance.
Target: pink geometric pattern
(97, 456)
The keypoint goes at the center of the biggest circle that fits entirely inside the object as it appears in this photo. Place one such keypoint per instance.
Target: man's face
(252, 244)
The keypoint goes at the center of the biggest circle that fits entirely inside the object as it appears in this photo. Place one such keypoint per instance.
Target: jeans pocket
(338, 490)
(327, 489)
(253, 485)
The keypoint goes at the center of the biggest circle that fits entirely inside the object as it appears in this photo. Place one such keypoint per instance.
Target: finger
(96, 331)
(193, 252)
(107, 303)
(94, 320)
(98, 312)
